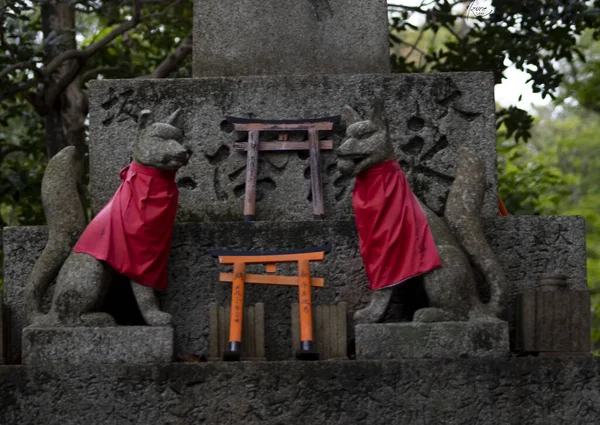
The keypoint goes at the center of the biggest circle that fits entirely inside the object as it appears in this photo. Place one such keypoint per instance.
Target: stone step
(2, 324)
(447, 340)
(530, 391)
(88, 345)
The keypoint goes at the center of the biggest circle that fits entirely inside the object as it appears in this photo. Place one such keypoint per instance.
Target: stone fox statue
(131, 235)
(451, 288)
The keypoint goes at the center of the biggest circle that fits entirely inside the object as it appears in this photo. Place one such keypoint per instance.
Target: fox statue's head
(158, 143)
(368, 141)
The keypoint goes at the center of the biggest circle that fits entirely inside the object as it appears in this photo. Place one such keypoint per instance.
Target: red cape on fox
(395, 241)
(133, 231)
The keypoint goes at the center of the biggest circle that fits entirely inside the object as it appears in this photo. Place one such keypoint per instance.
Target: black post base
(307, 351)
(233, 352)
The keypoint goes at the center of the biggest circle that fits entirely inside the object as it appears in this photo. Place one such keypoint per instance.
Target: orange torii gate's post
(270, 259)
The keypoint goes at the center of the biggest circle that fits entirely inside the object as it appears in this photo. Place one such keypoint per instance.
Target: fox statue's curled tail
(66, 220)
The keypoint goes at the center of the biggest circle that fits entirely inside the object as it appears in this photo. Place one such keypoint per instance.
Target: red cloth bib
(395, 240)
(133, 231)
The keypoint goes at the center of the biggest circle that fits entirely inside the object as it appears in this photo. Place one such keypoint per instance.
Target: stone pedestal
(530, 391)
(1, 330)
(527, 247)
(83, 345)
(277, 37)
(432, 340)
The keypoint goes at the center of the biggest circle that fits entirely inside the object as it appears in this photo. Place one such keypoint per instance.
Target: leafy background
(549, 157)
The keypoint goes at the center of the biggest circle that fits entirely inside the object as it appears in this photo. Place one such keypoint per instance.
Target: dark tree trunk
(66, 111)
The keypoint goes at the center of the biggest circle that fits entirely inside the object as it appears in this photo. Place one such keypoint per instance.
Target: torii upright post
(313, 145)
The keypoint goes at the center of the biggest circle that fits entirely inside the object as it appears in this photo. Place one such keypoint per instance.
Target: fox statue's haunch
(131, 235)
(451, 288)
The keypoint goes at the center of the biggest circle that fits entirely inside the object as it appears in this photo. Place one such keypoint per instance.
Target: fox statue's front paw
(366, 316)
(376, 309)
(158, 318)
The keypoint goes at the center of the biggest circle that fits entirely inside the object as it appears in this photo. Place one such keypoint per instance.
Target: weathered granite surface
(1, 329)
(431, 116)
(554, 321)
(280, 37)
(524, 391)
(527, 247)
(432, 340)
(86, 345)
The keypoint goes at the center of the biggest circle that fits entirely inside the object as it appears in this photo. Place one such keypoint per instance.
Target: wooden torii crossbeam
(304, 281)
(252, 146)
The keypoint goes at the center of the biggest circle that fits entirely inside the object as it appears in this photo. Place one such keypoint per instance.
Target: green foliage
(23, 54)
(533, 35)
(582, 78)
(558, 172)
(22, 164)
(139, 51)
(530, 183)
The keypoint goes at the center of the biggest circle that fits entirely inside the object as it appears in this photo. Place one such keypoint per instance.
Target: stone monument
(300, 60)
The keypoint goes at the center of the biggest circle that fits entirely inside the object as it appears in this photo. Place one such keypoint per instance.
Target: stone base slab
(124, 344)
(1, 329)
(505, 391)
(432, 340)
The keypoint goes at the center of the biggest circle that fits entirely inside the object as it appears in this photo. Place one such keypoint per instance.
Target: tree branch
(15, 66)
(88, 75)
(414, 46)
(172, 61)
(454, 33)
(80, 55)
(54, 90)
(426, 11)
(84, 55)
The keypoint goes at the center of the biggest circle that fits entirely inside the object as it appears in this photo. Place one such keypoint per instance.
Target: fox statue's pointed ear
(176, 119)
(350, 116)
(378, 116)
(145, 119)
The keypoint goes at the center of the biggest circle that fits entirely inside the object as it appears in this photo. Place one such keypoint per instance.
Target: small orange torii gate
(304, 281)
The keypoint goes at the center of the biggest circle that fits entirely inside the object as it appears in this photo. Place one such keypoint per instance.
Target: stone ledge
(1, 328)
(123, 344)
(527, 248)
(432, 340)
(530, 391)
(457, 110)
